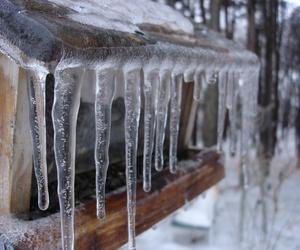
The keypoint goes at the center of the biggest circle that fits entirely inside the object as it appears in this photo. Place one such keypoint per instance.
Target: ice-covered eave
(44, 32)
(148, 59)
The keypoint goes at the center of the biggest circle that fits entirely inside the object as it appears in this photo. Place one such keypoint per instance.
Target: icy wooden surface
(170, 192)
(40, 32)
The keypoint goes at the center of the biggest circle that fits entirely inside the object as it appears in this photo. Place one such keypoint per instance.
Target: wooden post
(15, 142)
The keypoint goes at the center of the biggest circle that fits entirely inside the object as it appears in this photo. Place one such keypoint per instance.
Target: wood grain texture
(15, 144)
(188, 115)
(170, 192)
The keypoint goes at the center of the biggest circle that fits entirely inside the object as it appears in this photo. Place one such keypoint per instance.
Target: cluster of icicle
(161, 87)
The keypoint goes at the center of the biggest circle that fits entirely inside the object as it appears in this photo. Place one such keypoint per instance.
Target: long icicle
(36, 90)
(223, 76)
(132, 117)
(151, 80)
(161, 118)
(246, 124)
(64, 113)
(249, 91)
(199, 79)
(105, 88)
(232, 98)
(175, 106)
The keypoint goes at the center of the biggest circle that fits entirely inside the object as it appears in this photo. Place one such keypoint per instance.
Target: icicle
(198, 81)
(36, 89)
(189, 74)
(212, 77)
(65, 110)
(162, 114)
(175, 106)
(249, 89)
(247, 118)
(105, 88)
(150, 97)
(230, 90)
(231, 103)
(221, 106)
(132, 116)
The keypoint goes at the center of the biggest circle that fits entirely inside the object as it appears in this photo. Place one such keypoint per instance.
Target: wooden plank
(8, 100)
(15, 144)
(47, 32)
(21, 170)
(170, 192)
(188, 115)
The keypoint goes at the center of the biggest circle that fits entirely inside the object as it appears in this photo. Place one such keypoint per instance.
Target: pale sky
(292, 4)
(297, 2)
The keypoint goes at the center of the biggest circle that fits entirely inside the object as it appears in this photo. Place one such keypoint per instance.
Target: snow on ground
(270, 218)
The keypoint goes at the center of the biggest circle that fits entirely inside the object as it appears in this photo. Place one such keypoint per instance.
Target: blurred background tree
(266, 28)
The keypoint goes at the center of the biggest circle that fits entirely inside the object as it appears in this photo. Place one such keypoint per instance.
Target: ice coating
(212, 77)
(126, 15)
(231, 103)
(175, 111)
(64, 114)
(129, 16)
(132, 117)
(161, 117)
(249, 91)
(222, 84)
(66, 104)
(232, 85)
(157, 93)
(199, 79)
(245, 135)
(151, 80)
(36, 90)
(105, 88)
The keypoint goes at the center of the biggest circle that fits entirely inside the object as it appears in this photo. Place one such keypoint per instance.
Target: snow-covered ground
(265, 217)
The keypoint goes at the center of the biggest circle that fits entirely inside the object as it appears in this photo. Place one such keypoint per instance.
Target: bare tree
(251, 34)
(215, 7)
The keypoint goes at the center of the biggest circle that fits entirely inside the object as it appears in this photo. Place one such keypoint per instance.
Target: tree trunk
(251, 34)
(215, 6)
(268, 96)
(203, 12)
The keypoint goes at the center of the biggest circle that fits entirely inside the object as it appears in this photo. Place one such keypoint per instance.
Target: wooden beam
(170, 192)
(188, 115)
(15, 143)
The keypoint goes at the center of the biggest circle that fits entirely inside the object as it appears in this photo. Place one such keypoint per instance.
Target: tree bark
(215, 6)
(268, 96)
(203, 12)
(251, 34)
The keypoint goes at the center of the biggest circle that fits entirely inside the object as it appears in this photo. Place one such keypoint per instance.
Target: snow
(225, 231)
(126, 15)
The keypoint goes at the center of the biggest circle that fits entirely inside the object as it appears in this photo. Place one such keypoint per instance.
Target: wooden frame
(170, 192)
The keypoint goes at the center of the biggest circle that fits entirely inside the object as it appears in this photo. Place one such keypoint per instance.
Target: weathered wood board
(170, 192)
(15, 143)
